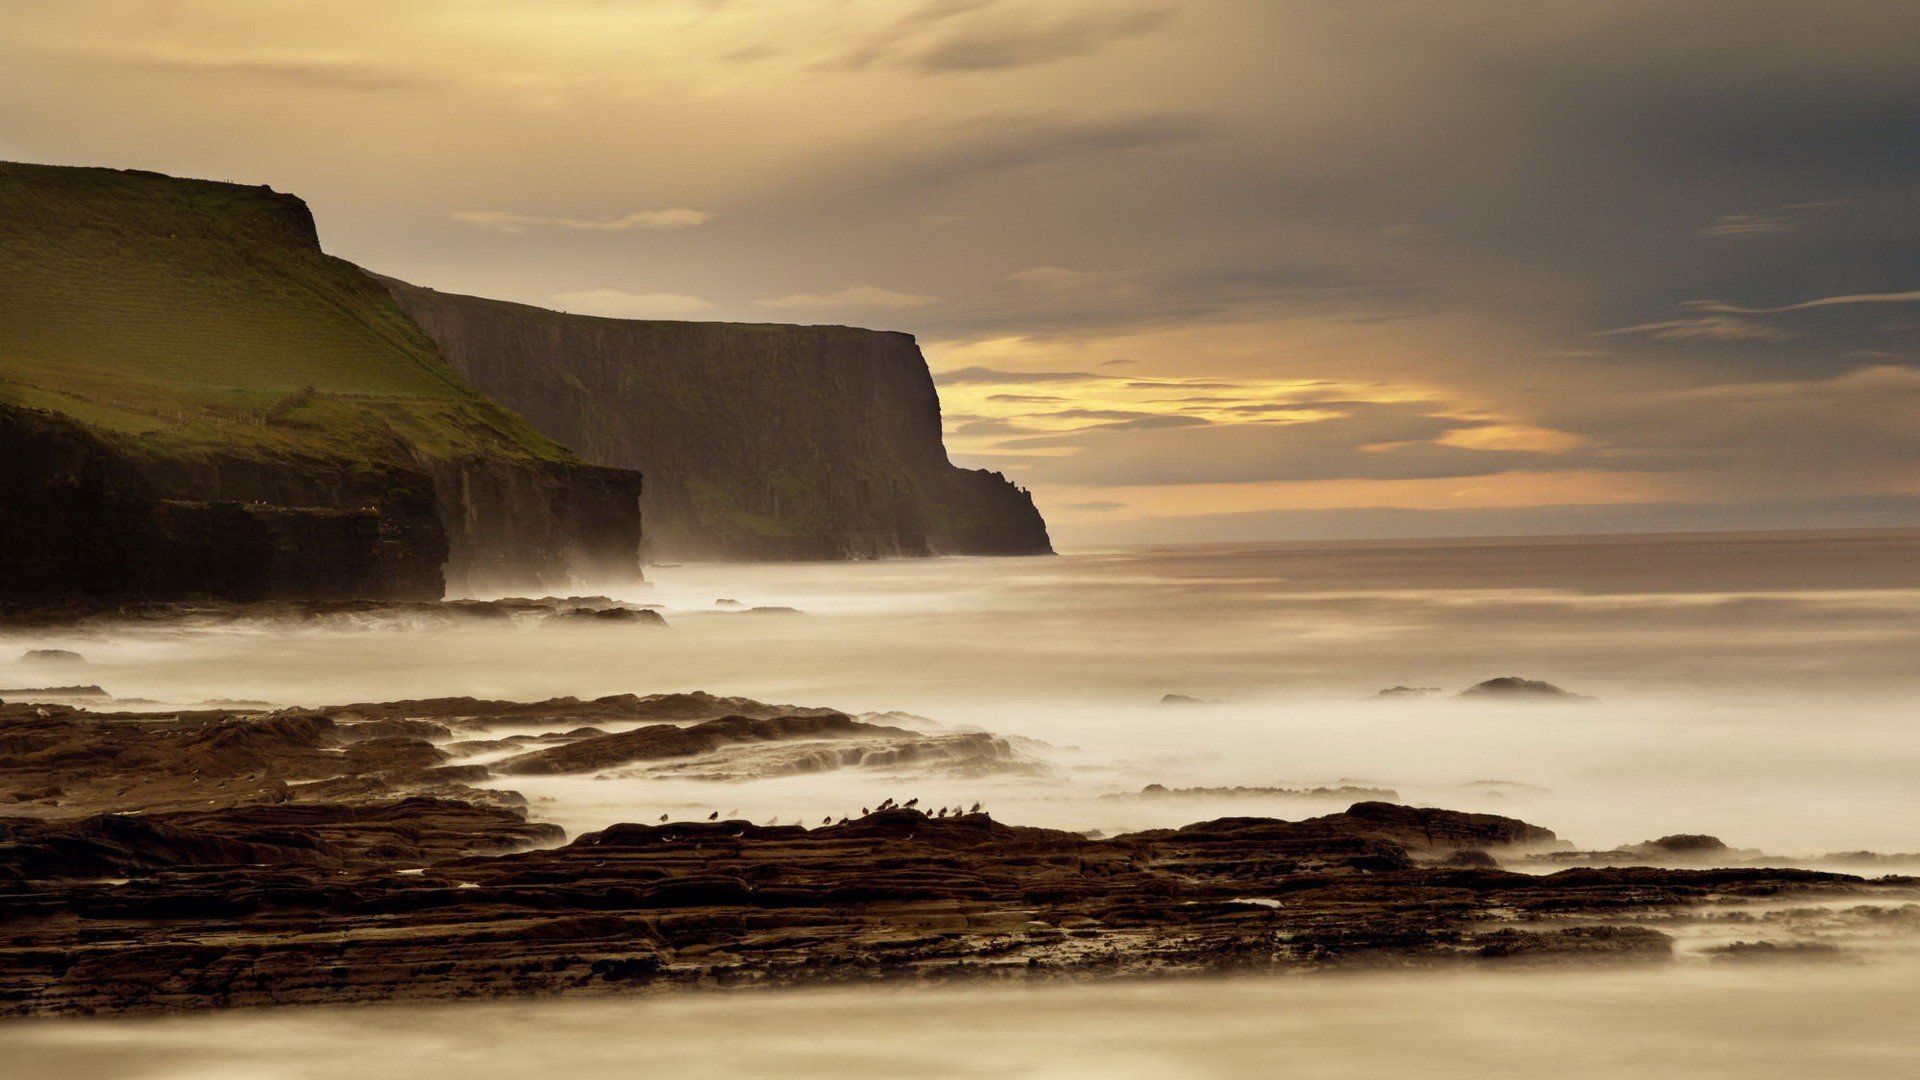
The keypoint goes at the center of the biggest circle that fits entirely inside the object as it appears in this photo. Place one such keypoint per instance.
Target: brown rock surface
(327, 856)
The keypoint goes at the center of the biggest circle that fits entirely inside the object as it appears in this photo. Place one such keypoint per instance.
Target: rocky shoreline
(346, 854)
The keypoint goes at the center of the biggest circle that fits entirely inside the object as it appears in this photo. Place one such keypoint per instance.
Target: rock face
(758, 441)
(196, 401)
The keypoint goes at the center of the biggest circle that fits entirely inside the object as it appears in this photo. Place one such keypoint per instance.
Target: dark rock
(279, 859)
(1512, 686)
(322, 835)
(670, 740)
(1773, 951)
(1407, 692)
(630, 615)
(1344, 791)
(1687, 844)
(52, 656)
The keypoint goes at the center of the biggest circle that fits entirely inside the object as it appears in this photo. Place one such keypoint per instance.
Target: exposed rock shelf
(334, 855)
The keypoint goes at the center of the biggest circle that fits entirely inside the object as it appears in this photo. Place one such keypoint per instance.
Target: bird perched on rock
(864, 811)
(911, 803)
(975, 810)
(828, 820)
(663, 817)
(715, 816)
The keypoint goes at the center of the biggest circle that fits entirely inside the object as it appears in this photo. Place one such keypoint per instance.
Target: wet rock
(1687, 844)
(1344, 791)
(1516, 688)
(658, 741)
(483, 713)
(329, 856)
(326, 835)
(1773, 951)
(628, 615)
(964, 754)
(52, 657)
(30, 692)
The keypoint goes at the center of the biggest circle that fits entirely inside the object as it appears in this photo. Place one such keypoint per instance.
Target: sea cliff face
(758, 441)
(195, 400)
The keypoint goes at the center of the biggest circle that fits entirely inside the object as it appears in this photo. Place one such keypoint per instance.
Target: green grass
(194, 316)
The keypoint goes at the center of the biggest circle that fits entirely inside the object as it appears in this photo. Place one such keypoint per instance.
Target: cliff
(758, 441)
(196, 401)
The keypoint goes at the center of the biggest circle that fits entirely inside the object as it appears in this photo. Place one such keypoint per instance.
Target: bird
(975, 810)
(864, 811)
(843, 820)
(715, 816)
(828, 820)
(911, 803)
(663, 817)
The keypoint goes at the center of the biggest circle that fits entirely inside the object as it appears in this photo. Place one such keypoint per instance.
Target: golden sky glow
(1209, 269)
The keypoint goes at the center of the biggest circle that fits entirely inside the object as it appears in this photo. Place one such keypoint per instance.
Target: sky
(1206, 270)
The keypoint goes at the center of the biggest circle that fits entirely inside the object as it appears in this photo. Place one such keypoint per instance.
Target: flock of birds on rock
(955, 811)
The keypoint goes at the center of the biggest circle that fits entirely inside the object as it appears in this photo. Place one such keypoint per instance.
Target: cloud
(965, 375)
(650, 220)
(986, 145)
(1828, 512)
(951, 37)
(1704, 327)
(1019, 42)
(1097, 414)
(1806, 305)
(867, 297)
(1094, 506)
(313, 69)
(1366, 441)
(616, 304)
(1772, 221)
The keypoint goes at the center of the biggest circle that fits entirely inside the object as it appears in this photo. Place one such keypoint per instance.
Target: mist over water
(1687, 1021)
(1758, 688)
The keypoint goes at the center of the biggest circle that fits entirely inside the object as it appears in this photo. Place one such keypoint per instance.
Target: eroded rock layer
(345, 854)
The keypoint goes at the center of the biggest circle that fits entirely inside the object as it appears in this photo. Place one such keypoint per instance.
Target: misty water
(1759, 688)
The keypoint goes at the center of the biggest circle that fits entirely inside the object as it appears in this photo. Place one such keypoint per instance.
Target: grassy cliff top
(190, 315)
